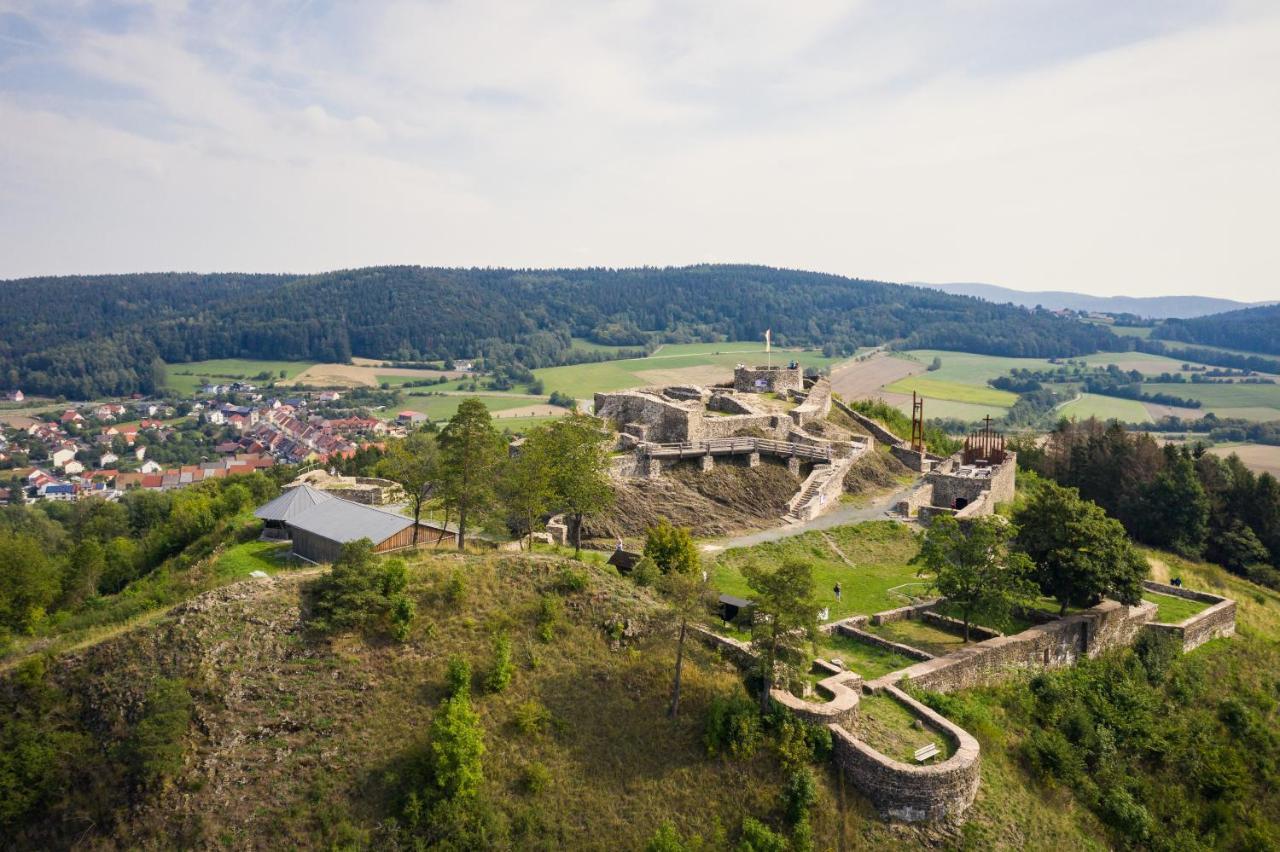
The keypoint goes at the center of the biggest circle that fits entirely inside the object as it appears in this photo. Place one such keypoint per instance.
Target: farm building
(319, 533)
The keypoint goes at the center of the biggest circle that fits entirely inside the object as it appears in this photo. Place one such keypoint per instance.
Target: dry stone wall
(760, 379)
(1215, 622)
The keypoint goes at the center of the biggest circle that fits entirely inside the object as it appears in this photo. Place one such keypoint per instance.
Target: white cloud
(854, 138)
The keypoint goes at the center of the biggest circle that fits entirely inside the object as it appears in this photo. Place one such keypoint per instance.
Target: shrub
(500, 675)
(457, 676)
(532, 718)
(549, 610)
(570, 581)
(155, 747)
(535, 777)
(455, 588)
(797, 741)
(758, 837)
(457, 748)
(1050, 754)
(361, 593)
(733, 725)
(666, 839)
(645, 572)
(1157, 652)
(800, 795)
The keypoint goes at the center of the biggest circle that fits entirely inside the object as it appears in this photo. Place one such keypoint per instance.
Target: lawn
(968, 368)
(878, 550)
(927, 386)
(584, 345)
(870, 661)
(699, 363)
(1106, 408)
(240, 560)
(890, 728)
(1143, 331)
(1173, 609)
(918, 634)
(187, 378)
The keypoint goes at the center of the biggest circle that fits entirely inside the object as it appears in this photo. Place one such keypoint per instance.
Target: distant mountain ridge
(1153, 307)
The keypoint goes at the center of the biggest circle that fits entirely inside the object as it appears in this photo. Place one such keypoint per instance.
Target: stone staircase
(819, 490)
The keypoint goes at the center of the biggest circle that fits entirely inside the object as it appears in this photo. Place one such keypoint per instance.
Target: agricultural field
(1105, 408)
(692, 363)
(442, 407)
(1260, 458)
(1132, 331)
(1251, 402)
(1143, 362)
(187, 378)
(933, 388)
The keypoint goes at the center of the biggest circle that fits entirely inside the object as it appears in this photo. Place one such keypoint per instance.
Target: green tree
(671, 548)
(29, 583)
(975, 568)
(525, 484)
(786, 616)
(686, 594)
(84, 570)
(500, 675)
(362, 592)
(1177, 508)
(457, 749)
(1081, 555)
(470, 452)
(414, 464)
(580, 469)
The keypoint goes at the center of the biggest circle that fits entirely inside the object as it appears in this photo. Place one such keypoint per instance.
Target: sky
(1090, 145)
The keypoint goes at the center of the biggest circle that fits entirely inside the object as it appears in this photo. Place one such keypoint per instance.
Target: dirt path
(876, 509)
(835, 548)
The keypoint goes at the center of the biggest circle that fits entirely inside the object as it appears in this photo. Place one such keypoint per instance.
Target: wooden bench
(925, 752)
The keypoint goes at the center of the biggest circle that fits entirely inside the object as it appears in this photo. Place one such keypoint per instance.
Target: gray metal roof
(292, 503)
(344, 521)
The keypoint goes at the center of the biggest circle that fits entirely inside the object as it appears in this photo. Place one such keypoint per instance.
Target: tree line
(122, 326)
(1176, 497)
(1251, 329)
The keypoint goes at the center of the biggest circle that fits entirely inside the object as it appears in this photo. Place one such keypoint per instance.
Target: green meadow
(933, 388)
(1106, 408)
(187, 378)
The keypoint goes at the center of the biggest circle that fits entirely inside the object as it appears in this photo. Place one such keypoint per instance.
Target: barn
(319, 532)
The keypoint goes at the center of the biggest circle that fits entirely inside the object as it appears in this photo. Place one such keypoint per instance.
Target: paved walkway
(846, 513)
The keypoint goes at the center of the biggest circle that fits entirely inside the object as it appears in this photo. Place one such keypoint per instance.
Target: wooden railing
(737, 445)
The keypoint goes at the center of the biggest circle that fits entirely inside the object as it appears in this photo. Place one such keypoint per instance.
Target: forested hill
(87, 336)
(1252, 329)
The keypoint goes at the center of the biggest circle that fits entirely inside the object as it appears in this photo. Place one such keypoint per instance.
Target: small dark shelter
(734, 608)
(624, 560)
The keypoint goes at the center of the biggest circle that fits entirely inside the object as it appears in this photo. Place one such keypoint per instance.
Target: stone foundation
(1218, 621)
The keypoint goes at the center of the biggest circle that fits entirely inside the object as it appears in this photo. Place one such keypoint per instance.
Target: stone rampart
(906, 792)
(1044, 646)
(816, 405)
(904, 613)
(880, 642)
(956, 626)
(667, 421)
(1217, 621)
(877, 431)
(841, 708)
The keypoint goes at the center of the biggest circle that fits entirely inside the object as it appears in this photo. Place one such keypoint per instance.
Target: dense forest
(1251, 329)
(89, 336)
(1182, 499)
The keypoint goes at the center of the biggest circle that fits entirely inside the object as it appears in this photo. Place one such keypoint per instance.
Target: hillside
(1153, 307)
(1251, 329)
(293, 740)
(123, 326)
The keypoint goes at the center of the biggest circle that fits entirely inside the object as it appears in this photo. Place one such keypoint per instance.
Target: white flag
(766, 339)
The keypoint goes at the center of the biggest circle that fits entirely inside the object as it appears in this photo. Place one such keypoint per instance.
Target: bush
(645, 572)
(800, 795)
(361, 593)
(532, 718)
(457, 749)
(455, 589)
(733, 726)
(571, 581)
(500, 675)
(758, 837)
(666, 839)
(549, 610)
(155, 747)
(457, 676)
(535, 778)
(797, 741)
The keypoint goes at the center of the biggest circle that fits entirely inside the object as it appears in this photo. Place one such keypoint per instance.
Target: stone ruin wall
(776, 379)
(1045, 646)
(1215, 622)
(904, 791)
(815, 406)
(666, 422)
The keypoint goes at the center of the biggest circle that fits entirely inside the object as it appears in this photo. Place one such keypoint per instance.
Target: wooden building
(319, 533)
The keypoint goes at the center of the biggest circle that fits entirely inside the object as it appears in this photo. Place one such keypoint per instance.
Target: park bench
(925, 752)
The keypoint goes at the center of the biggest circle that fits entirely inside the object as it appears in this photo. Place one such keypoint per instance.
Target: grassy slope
(878, 552)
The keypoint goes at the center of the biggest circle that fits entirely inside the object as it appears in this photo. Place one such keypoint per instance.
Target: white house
(61, 456)
(108, 459)
(151, 466)
(72, 467)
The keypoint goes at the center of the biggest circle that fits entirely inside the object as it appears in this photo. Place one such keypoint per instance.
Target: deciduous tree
(470, 452)
(414, 464)
(580, 468)
(786, 617)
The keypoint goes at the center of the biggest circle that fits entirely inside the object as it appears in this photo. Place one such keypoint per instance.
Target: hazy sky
(1109, 147)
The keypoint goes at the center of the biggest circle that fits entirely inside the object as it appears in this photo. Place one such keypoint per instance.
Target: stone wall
(903, 613)
(668, 422)
(760, 379)
(1045, 646)
(816, 405)
(907, 792)
(956, 626)
(877, 431)
(880, 642)
(1217, 621)
(840, 709)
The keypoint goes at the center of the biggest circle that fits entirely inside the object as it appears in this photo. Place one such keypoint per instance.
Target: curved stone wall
(904, 791)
